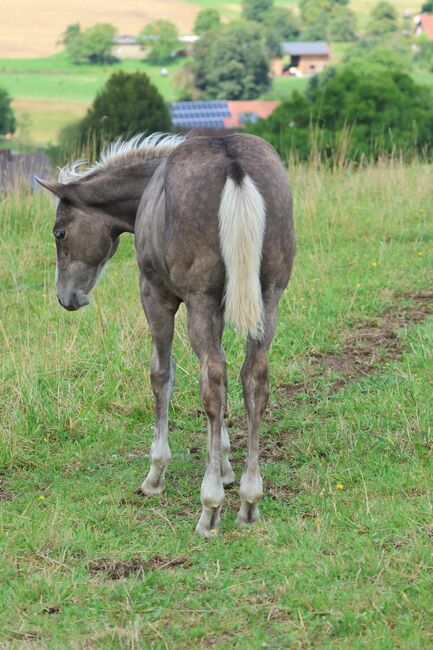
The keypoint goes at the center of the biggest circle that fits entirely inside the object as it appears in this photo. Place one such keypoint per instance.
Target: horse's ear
(59, 189)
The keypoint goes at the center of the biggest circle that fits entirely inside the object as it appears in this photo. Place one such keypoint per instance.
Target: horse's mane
(122, 153)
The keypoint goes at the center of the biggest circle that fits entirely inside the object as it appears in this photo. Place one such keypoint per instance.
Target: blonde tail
(242, 217)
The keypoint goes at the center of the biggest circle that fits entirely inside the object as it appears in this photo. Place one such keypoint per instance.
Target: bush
(7, 117)
(377, 111)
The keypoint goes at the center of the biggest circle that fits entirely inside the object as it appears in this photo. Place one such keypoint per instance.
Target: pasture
(342, 555)
(20, 40)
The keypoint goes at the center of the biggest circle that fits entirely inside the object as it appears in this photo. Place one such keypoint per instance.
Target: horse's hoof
(149, 490)
(229, 480)
(205, 532)
(248, 514)
(209, 522)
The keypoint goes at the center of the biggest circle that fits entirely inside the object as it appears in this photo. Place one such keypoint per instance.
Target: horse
(213, 227)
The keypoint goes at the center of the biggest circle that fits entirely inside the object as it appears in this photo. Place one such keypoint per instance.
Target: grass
(53, 92)
(325, 567)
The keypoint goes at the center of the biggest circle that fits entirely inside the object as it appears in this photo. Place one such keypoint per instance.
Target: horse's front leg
(160, 311)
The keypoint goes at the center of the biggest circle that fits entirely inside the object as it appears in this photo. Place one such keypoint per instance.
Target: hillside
(35, 30)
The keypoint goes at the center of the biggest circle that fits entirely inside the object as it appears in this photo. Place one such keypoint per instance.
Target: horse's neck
(118, 192)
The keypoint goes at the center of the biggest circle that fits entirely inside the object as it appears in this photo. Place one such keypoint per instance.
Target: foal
(212, 219)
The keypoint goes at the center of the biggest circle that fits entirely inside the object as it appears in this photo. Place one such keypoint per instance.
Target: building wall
(310, 65)
(304, 66)
(128, 51)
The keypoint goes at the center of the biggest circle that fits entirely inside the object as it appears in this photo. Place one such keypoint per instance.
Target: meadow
(342, 555)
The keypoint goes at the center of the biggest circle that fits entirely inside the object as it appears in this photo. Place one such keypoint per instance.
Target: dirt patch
(373, 343)
(4, 494)
(123, 569)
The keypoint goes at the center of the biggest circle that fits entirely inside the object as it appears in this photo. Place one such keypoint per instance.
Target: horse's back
(195, 176)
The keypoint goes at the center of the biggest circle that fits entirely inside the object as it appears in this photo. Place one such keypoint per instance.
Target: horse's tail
(241, 229)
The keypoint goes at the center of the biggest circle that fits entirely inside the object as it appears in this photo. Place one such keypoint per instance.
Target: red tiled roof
(427, 24)
(262, 108)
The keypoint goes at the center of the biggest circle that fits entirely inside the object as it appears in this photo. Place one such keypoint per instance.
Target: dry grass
(43, 118)
(33, 30)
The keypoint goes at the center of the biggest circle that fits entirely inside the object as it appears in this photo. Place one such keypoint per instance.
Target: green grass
(54, 92)
(56, 78)
(324, 567)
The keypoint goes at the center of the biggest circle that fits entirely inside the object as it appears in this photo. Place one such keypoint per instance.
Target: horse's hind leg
(254, 376)
(205, 321)
(160, 312)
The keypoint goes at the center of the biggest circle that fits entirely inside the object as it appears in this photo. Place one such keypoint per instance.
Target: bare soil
(372, 343)
(122, 569)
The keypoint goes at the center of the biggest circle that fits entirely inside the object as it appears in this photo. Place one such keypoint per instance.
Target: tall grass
(325, 567)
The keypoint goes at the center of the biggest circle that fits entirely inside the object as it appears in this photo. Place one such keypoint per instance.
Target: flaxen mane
(121, 154)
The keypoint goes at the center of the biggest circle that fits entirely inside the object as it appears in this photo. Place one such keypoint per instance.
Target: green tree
(382, 109)
(341, 24)
(423, 56)
(7, 117)
(93, 45)
(127, 104)
(256, 9)
(233, 66)
(427, 7)
(207, 19)
(280, 25)
(327, 19)
(383, 19)
(161, 37)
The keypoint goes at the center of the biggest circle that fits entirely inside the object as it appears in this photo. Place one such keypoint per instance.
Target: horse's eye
(60, 234)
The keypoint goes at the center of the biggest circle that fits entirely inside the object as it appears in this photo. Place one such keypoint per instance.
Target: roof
(219, 114)
(427, 24)
(307, 48)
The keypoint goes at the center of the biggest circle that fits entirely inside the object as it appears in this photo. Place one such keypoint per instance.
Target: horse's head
(85, 241)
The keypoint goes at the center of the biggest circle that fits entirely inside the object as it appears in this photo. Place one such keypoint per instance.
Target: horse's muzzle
(74, 303)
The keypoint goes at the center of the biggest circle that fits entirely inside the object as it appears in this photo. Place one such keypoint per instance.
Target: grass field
(53, 92)
(342, 556)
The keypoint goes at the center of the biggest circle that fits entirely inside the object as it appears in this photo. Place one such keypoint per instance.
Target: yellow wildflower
(374, 264)
(340, 486)
(42, 497)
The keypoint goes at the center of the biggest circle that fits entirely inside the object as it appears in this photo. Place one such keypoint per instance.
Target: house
(130, 47)
(424, 25)
(219, 115)
(127, 47)
(21, 169)
(301, 59)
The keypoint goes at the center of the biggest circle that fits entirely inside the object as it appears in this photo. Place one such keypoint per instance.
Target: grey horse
(212, 219)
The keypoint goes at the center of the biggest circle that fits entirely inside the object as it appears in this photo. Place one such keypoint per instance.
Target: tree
(427, 7)
(383, 19)
(280, 25)
(127, 104)
(327, 19)
(206, 20)
(233, 66)
(7, 117)
(382, 109)
(93, 45)
(341, 24)
(256, 9)
(161, 36)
